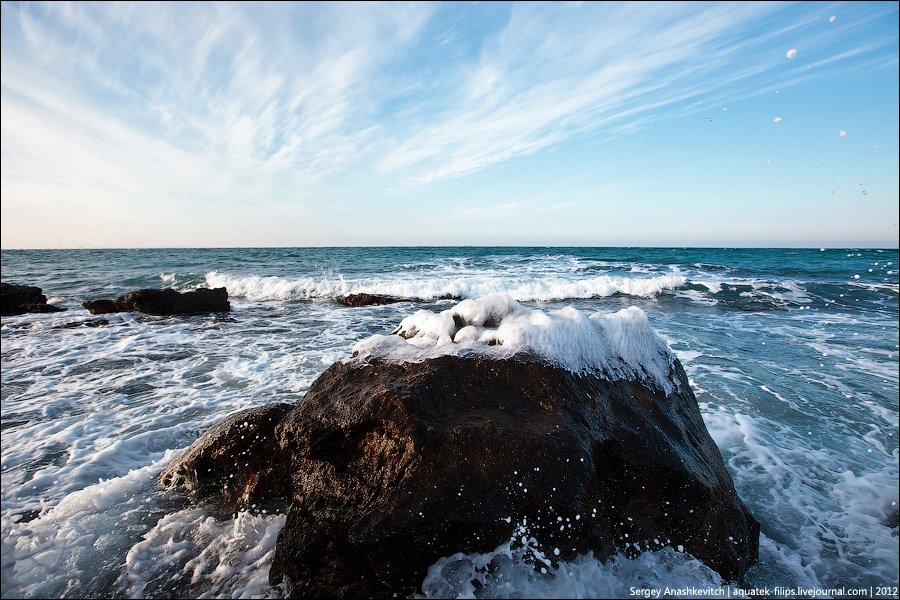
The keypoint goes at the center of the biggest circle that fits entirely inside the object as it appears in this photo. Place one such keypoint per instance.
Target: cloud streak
(109, 108)
(556, 73)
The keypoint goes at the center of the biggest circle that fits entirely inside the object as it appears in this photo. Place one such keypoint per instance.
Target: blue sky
(146, 124)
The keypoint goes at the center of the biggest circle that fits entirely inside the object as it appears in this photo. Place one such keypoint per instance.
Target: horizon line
(583, 246)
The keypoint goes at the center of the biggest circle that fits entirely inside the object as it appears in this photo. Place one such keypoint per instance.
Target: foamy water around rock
(792, 358)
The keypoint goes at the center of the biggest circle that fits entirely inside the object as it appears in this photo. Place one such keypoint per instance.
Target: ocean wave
(180, 280)
(519, 287)
(521, 568)
(802, 404)
(751, 294)
(765, 294)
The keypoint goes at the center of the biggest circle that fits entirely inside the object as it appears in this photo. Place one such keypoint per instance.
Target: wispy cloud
(112, 107)
(107, 105)
(555, 72)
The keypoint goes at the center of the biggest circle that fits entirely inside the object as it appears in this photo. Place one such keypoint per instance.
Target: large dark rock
(392, 466)
(164, 302)
(20, 299)
(369, 300)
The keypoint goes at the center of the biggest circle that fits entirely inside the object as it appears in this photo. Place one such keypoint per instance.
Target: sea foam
(616, 346)
(442, 285)
(522, 568)
(511, 571)
(814, 455)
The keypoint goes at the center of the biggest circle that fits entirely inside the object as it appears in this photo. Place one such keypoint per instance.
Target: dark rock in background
(86, 323)
(164, 302)
(20, 299)
(369, 300)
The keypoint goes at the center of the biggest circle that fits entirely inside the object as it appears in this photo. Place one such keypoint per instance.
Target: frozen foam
(619, 345)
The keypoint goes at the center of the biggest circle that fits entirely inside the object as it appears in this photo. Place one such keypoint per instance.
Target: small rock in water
(164, 302)
(21, 299)
(369, 300)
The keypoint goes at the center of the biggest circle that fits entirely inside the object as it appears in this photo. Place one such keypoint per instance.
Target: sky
(318, 124)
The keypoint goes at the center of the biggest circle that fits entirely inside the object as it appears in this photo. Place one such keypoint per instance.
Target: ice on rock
(616, 346)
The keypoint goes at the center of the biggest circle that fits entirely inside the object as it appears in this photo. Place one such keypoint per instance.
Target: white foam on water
(781, 292)
(869, 500)
(89, 414)
(714, 287)
(824, 523)
(687, 356)
(619, 345)
(520, 568)
(63, 551)
(103, 537)
(794, 292)
(697, 297)
(190, 554)
(180, 280)
(255, 287)
(104, 404)
(873, 287)
(438, 285)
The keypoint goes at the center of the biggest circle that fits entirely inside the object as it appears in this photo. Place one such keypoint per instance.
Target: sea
(792, 355)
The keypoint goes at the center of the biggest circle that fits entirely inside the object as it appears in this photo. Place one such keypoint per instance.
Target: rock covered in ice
(21, 299)
(164, 302)
(621, 345)
(391, 464)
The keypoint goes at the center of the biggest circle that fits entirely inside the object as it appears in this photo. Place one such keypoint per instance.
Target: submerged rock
(85, 323)
(893, 519)
(369, 300)
(164, 302)
(364, 299)
(391, 465)
(20, 299)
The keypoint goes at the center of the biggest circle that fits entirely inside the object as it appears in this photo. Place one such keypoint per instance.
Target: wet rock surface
(235, 459)
(893, 519)
(85, 323)
(369, 300)
(164, 302)
(21, 299)
(389, 467)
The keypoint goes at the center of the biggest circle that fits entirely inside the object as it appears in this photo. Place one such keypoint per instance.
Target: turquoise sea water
(793, 355)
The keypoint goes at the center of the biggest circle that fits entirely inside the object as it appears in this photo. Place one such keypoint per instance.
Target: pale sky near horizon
(317, 124)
